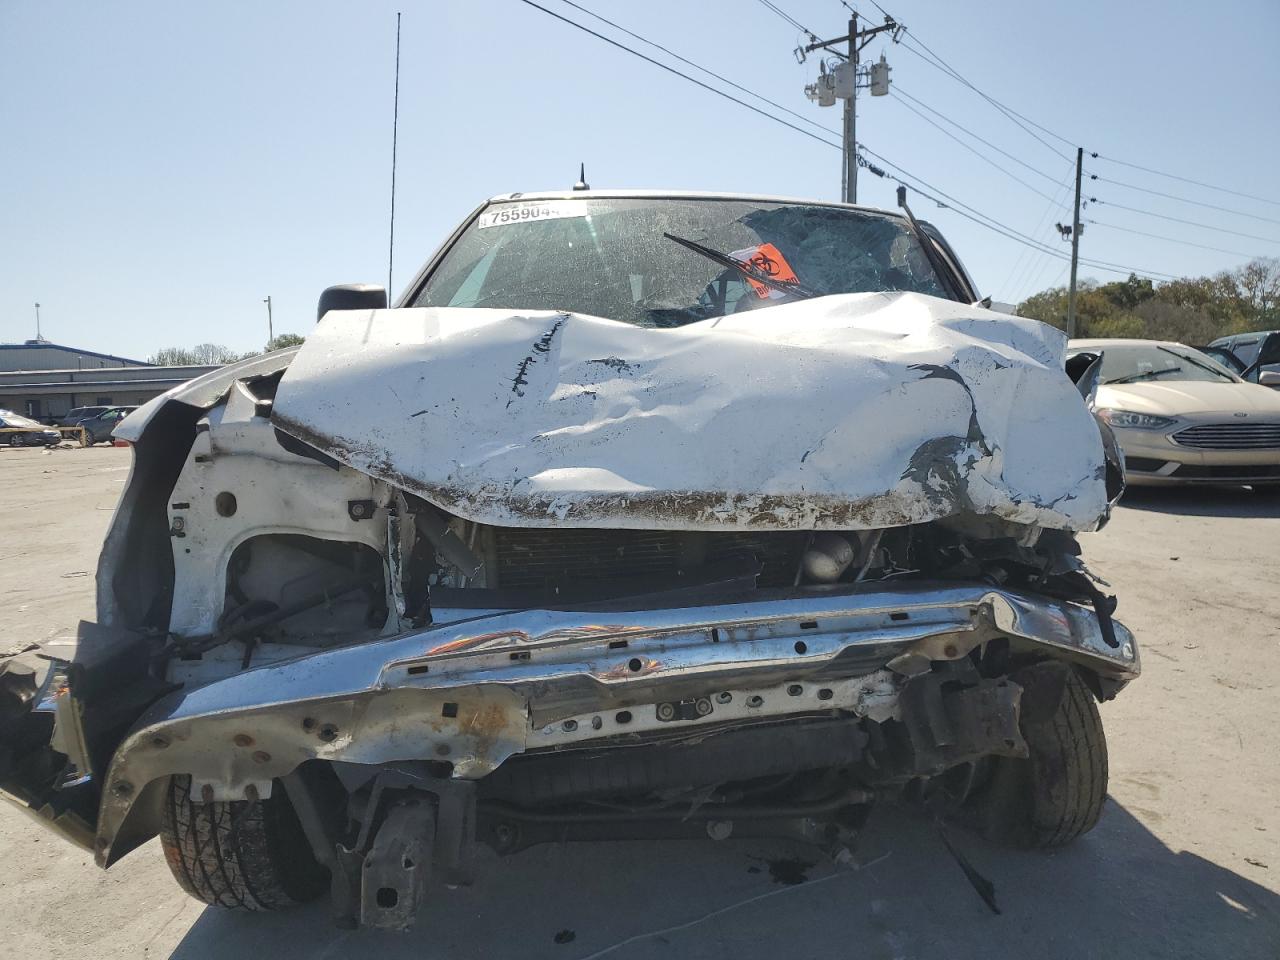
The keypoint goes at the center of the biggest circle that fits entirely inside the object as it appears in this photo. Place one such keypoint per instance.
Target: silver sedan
(1183, 418)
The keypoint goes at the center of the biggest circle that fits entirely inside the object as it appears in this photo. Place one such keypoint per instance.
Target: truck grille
(530, 558)
(1231, 436)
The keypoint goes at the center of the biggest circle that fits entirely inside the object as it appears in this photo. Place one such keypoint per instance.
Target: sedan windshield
(1137, 363)
(13, 420)
(623, 258)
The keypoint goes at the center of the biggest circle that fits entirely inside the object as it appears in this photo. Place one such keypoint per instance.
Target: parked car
(1183, 418)
(76, 414)
(641, 515)
(1258, 354)
(98, 427)
(19, 431)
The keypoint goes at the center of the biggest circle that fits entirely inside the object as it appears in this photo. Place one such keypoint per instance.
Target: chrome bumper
(477, 692)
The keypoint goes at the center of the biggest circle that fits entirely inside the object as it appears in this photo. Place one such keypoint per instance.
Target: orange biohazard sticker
(767, 259)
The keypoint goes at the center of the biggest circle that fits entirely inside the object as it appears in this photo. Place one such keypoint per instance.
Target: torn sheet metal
(845, 412)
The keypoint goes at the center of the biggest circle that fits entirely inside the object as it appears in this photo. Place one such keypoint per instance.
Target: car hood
(1181, 398)
(843, 412)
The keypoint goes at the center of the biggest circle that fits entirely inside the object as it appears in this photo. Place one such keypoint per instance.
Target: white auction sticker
(508, 213)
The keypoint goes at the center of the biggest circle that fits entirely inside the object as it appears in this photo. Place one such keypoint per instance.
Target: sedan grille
(1231, 436)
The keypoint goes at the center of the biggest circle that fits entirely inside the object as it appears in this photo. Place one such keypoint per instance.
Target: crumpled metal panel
(204, 391)
(480, 691)
(857, 411)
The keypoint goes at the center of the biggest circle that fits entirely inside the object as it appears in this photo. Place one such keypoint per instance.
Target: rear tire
(239, 854)
(1057, 793)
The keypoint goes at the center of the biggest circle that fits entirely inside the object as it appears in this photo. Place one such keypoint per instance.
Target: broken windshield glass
(608, 257)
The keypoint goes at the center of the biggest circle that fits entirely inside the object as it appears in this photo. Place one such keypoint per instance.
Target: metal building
(45, 380)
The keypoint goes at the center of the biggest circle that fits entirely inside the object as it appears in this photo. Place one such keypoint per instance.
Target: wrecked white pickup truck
(641, 515)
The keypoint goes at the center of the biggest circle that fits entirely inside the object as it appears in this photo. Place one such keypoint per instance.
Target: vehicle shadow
(1202, 501)
(1119, 892)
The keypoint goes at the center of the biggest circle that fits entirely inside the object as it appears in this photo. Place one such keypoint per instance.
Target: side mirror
(352, 296)
(1269, 378)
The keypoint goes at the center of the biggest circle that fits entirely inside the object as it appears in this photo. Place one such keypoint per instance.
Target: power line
(945, 67)
(1034, 281)
(874, 4)
(1156, 236)
(1027, 261)
(699, 67)
(929, 56)
(942, 64)
(897, 91)
(1193, 223)
(787, 17)
(1172, 196)
(657, 63)
(956, 73)
(938, 63)
(982, 219)
(1172, 176)
(975, 151)
(974, 215)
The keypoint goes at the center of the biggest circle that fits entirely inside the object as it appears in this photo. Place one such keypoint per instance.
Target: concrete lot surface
(1185, 863)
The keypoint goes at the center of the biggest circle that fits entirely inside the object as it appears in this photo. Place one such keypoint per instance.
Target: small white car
(1183, 418)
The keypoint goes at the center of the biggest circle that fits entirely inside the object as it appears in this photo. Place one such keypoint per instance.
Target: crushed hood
(843, 412)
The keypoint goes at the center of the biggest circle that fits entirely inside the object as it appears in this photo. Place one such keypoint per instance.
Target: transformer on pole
(842, 81)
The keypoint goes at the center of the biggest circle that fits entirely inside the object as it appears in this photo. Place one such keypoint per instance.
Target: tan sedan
(1183, 418)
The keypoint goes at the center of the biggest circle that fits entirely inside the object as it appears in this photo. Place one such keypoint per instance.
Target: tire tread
(1069, 760)
(233, 853)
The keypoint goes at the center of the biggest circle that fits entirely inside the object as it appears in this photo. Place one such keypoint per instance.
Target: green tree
(280, 341)
(1193, 310)
(202, 354)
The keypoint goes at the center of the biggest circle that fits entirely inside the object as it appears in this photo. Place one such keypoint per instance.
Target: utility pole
(395, 132)
(271, 333)
(849, 194)
(842, 84)
(1075, 250)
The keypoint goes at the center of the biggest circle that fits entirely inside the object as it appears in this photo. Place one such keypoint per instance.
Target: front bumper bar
(477, 692)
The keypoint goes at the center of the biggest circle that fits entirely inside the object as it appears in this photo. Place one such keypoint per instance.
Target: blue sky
(165, 167)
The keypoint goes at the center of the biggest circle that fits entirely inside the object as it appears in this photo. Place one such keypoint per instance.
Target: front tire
(1056, 794)
(239, 854)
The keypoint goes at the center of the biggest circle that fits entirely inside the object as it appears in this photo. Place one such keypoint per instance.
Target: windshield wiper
(1145, 375)
(945, 276)
(793, 287)
(1191, 360)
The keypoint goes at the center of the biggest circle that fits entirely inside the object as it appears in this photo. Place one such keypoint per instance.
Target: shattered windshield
(610, 258)
(1136, 363)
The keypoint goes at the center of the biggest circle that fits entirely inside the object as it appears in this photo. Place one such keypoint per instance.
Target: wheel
(89, 440)
(239, 854)
(15, 440)
(1056, 794)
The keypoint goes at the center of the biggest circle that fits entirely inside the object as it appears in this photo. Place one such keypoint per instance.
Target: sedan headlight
(1140, 421)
